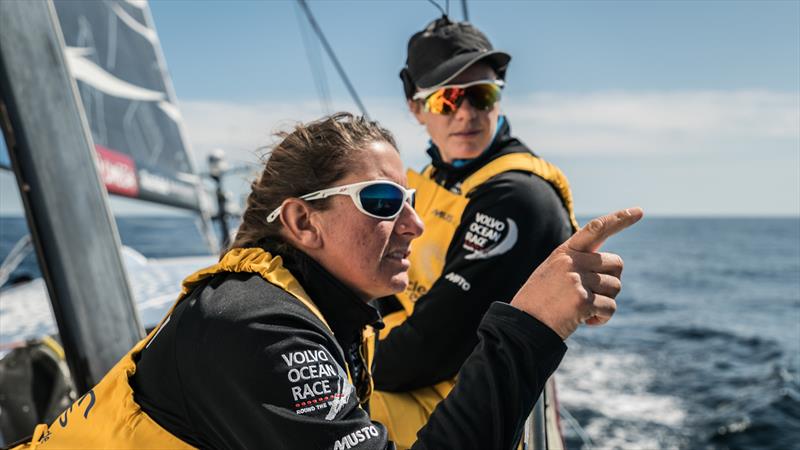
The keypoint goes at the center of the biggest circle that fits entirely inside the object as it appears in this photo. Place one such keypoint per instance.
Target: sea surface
(703, 353)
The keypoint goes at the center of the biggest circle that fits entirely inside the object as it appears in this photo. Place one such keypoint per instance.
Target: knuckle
(578, 295)
(596, 225)
(563, 259)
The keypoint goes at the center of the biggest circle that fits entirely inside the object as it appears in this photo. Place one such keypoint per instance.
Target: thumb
(591, 237)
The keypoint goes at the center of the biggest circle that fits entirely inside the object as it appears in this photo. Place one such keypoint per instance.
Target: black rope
(332, 55)
(438, 6)
(315, 64)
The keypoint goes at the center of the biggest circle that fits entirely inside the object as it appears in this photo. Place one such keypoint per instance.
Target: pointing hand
(576, 284)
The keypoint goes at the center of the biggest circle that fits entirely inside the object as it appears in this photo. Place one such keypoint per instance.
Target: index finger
(594, 234)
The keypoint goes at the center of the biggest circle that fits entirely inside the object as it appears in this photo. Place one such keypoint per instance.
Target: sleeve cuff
(519, 322)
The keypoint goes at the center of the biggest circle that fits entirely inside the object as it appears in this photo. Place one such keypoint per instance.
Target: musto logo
(487, 237)
(356, 437)
(458, 280)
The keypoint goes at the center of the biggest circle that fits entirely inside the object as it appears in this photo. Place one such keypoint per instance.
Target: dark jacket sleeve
(497, 386)
(281, 385)
(511, 224)
(255, 372)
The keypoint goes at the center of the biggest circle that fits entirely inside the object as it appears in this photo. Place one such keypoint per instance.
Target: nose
(408, 223)
(465, 110)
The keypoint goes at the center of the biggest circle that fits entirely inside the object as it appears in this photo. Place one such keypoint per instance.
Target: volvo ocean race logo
(316, 382)
(487, 237)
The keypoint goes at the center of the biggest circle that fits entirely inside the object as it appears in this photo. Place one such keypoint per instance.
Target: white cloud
(239, 129)
(640, 142)
(619, 148)
(654, 122)
(567, 124)
(243, 130)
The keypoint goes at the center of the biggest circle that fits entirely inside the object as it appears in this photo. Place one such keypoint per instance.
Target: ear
(416, 109)
(299, 225)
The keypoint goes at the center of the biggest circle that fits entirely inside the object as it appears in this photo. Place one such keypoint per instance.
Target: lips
(399, 257)
(398, 254)
(467, 133)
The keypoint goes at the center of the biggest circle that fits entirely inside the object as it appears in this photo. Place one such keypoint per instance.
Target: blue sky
(684, 108)
(557, 46)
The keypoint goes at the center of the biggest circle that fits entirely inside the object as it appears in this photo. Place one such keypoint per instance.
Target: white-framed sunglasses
(381, 199)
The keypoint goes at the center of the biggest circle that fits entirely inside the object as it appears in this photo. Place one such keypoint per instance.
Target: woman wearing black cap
(492, 210)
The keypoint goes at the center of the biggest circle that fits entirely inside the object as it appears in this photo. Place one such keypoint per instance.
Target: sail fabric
(114, 54)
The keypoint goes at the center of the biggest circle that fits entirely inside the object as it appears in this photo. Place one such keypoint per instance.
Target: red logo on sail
(118, 172)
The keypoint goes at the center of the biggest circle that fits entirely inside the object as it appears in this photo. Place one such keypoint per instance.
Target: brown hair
(311, 157)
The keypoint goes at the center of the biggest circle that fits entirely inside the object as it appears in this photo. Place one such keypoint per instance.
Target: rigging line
(576, 426)
(315, 64)
(323, 79)
(438, 6)
(464, 10)
(21, 249)
(332, 55)
(311, 62)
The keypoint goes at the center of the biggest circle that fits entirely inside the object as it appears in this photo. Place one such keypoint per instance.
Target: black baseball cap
(443, 50)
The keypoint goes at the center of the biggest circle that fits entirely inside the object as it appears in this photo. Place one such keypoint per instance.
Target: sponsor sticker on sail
(118, 172)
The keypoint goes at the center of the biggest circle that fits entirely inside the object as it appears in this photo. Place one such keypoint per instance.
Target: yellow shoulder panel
(528, 163)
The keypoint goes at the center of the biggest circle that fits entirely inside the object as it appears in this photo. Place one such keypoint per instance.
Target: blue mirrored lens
(382, 200)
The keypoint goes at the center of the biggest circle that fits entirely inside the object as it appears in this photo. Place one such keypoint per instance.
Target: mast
(53, 158)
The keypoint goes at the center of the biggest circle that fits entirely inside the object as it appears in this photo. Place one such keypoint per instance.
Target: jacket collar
(345, 312)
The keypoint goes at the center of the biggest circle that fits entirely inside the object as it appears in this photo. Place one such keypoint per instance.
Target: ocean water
(153, 237)
(703, 353)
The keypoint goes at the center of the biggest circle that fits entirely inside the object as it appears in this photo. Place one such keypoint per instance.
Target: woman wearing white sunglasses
(264, 349)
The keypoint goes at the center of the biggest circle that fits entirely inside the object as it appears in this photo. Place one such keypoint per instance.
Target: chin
(398, 283)
(392, 286)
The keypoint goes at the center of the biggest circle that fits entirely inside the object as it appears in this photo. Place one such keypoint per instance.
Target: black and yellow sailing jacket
(488, 224)
(246, 359)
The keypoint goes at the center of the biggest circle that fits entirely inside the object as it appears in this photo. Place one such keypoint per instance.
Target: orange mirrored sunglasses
(481, 94)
